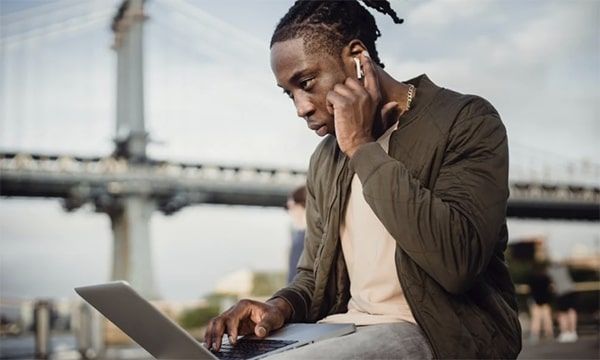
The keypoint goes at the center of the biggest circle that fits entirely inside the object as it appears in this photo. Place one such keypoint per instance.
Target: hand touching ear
(356, 108)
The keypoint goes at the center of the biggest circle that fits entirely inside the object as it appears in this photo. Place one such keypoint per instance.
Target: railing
(172, 185)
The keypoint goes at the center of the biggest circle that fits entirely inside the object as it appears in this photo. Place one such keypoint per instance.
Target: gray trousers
(385, 341)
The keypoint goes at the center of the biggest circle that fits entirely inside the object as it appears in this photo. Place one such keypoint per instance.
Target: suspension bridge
(127, 184)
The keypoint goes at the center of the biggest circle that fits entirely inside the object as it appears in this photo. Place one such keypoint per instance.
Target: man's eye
(288, 94)
(304, 84)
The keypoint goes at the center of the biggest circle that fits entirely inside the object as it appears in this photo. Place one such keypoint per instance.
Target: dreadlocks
(330, 25)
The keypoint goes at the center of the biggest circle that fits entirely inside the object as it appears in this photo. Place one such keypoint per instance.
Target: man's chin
(322, 131)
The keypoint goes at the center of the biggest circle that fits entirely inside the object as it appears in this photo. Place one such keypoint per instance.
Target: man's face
(306, 79)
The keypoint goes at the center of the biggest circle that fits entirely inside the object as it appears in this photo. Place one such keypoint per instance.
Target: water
(63, 346)
(23, 347)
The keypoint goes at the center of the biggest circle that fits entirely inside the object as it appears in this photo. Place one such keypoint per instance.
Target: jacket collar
(426, 91)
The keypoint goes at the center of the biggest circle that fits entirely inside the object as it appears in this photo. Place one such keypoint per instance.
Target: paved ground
(587, 347)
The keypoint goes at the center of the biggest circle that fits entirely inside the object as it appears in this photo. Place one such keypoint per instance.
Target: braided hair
(330, 25)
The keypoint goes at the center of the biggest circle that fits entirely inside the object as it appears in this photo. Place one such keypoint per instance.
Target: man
(406, 203)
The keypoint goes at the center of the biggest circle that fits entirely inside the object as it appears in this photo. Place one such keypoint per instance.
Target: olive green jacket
(441, 193)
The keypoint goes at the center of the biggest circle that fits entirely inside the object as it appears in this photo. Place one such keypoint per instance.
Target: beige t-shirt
(369, 250)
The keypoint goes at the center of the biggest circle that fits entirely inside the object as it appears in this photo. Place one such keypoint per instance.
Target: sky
(210, 97)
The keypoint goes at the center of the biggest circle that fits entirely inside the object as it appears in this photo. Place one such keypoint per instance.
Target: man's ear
(354, 48)
(350, 56)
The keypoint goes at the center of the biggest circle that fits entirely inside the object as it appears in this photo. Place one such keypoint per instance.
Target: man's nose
(304, 108)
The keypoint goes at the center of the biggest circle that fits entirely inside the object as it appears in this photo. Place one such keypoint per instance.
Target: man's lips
(320, 129)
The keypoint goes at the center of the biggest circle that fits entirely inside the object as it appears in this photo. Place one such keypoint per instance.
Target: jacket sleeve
(299, 293)
(451, 230)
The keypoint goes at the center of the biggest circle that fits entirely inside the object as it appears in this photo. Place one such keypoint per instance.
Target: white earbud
(359, 72)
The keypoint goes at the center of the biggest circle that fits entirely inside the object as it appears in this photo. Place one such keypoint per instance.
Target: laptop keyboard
(245, 348)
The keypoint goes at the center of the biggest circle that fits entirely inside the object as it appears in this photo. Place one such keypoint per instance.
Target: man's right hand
(244, 318)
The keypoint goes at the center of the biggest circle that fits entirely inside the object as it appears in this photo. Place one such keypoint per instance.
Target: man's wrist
(283, 306)
(351, 150)
(368, 159)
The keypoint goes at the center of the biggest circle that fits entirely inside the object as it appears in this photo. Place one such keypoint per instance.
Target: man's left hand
(355, 106)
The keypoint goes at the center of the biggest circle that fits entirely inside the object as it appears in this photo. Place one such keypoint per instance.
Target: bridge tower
(130, 214)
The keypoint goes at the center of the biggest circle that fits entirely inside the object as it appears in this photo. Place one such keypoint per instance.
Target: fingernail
(231, 340)
(365, 53)
(262, 331)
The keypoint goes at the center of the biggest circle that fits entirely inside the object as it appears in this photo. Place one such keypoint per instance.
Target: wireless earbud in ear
(359, 72)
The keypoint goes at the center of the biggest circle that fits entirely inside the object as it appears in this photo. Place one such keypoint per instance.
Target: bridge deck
(175, 185)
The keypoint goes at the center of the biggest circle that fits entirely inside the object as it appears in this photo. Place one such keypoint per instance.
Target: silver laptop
(165, 339)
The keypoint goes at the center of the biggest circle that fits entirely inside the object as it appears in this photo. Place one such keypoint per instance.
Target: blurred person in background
(541, 296)
(296, 207)
(566, 300)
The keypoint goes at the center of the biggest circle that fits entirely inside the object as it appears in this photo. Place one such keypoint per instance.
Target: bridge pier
(132, 251)
(132, 254)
